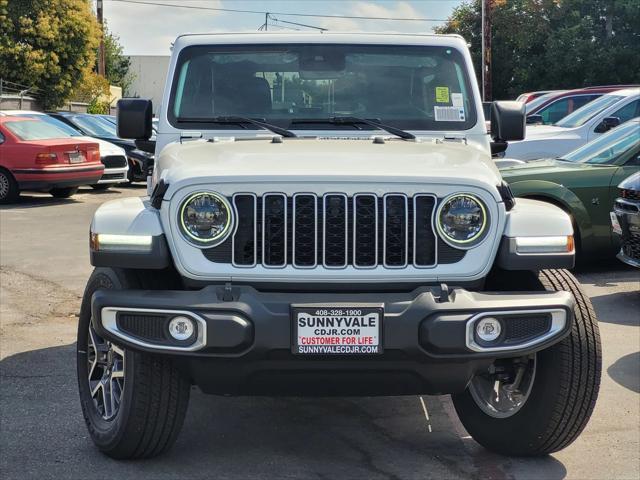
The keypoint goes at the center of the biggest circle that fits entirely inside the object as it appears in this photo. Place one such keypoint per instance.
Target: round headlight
(462, 220)
(206, 219)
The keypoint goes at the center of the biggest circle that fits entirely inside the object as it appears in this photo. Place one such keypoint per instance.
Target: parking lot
(43, 267)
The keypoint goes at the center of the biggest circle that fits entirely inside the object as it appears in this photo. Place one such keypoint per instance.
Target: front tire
(144, 409)
(565, 381)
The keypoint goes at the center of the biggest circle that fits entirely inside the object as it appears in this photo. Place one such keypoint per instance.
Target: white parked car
(326, 219)
(577, 128)
(112, 157)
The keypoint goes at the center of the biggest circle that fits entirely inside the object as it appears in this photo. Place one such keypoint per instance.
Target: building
(150, 74)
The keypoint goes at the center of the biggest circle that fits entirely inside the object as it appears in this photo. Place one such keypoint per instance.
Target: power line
(263, 12)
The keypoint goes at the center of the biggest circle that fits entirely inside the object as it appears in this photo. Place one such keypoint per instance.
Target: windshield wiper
(238, 120)
(355, 121)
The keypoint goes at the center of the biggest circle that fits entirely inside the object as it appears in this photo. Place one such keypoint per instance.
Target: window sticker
(456, 100)
(449, 114)
(442, 94)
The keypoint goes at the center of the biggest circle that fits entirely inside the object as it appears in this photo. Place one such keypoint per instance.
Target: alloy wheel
(504, 389)
(4, 186)
(105, 364)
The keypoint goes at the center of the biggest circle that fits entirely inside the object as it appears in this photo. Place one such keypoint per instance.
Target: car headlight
(206, 219)
(462, 220)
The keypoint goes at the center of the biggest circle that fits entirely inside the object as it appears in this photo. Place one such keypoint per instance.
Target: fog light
(488, 329)
(181, 328)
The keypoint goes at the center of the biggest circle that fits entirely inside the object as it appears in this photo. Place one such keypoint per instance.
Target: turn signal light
(46, 158)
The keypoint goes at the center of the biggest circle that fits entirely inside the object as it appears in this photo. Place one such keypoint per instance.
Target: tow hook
(512, 390)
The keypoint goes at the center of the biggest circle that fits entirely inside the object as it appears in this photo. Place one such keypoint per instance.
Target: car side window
(1, 138)
(627, 112)
(555, 111)
(634, 161)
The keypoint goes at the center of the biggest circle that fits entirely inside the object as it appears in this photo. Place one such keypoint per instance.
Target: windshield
(421, 88)
(95, 126)
(68, 129)
(609, 147)
(586, 113)
(35, 130)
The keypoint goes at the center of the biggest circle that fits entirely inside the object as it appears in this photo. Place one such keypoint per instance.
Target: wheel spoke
(106, 362)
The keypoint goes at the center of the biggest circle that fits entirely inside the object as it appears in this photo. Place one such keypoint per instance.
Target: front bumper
(243, 343)
(626, 223)
(114, 175)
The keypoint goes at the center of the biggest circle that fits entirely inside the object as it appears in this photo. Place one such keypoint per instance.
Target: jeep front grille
(334, 231)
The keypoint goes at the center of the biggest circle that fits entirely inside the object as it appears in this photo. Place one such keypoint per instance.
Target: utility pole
(101, 58)
(266, 21)
(486, 50)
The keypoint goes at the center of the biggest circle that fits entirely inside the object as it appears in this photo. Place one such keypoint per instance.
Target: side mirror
(535, 119)
(607, 124)
(508, 121)
(134, 118)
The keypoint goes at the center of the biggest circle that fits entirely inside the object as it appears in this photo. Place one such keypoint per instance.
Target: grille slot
(114, 161)
(305, 230)
(334, 230)
(396, 220)
(274, 230)
(244, 240)
(424, 238)
(365, 230)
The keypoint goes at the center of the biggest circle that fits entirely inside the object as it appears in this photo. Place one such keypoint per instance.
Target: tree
(47, 45)
(552, 44)
(94, 90)
(116, 64)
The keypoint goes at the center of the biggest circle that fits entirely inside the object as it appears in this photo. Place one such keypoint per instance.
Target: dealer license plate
(337, 330)
(615, 224)
(76, 157)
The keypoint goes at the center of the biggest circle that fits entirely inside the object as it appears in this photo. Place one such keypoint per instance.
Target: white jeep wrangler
(326, 219)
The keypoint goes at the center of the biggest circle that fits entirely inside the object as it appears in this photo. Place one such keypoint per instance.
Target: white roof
(627, 92)
(320, 37)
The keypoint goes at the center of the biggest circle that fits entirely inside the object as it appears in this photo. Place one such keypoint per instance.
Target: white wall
(150, 73)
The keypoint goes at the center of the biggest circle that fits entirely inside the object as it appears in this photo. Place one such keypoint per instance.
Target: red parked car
(35, 155)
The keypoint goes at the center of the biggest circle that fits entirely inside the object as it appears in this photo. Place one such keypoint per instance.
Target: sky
(149, 30)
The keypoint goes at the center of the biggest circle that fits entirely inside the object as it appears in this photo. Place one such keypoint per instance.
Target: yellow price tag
(442, 94)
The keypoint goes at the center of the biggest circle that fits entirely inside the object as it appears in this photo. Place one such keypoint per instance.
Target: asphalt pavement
(44, 264)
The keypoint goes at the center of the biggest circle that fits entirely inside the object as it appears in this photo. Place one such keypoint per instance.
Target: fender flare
(129, 217)
(561, 197)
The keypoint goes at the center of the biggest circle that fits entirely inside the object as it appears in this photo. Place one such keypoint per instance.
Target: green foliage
(554, 44)
(48, 45)
(96, 106)
(116, 64)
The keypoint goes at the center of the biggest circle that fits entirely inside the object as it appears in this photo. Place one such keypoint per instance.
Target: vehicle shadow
(620, 308)
(27, 200)
(626, 371)
(225, 437)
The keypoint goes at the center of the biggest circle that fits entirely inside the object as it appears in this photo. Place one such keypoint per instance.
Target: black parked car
(140, 162)
(626, 220)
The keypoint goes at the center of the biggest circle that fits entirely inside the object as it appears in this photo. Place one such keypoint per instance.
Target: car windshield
(420, 88)
(95, 126)
(35, 130)
(607, 148)
(52, 121)
(586, 113)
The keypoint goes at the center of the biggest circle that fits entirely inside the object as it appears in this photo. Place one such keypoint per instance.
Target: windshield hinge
(452, 138)
(190, 135)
